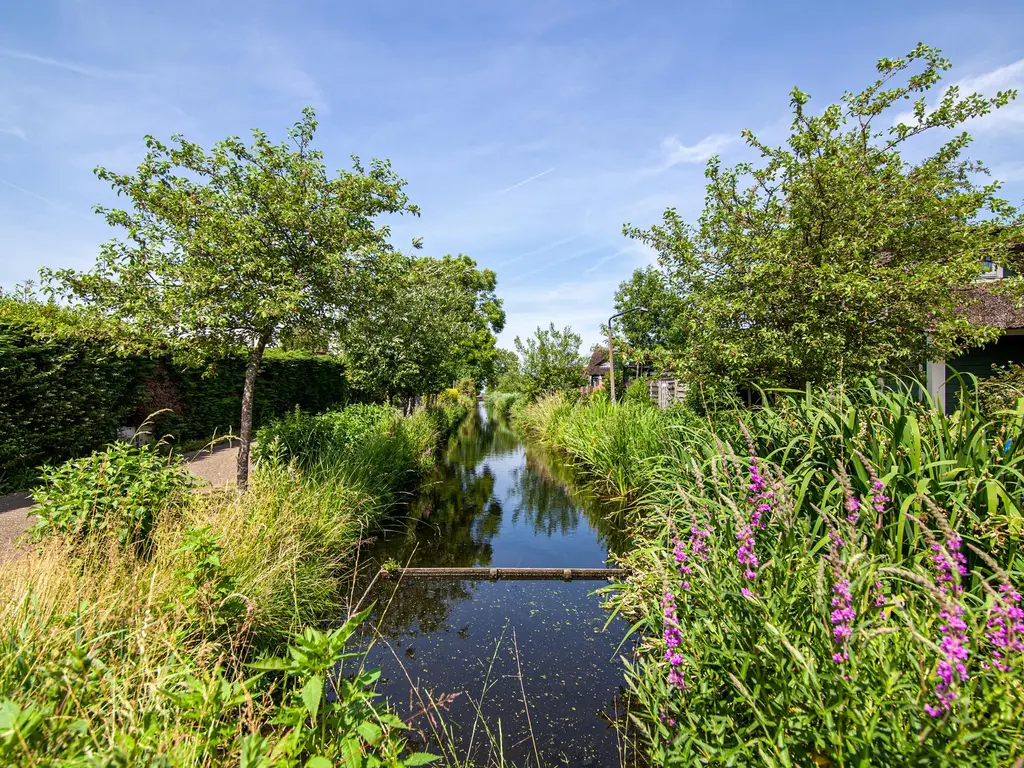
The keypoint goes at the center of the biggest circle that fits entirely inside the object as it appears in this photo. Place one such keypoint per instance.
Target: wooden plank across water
(515, 574)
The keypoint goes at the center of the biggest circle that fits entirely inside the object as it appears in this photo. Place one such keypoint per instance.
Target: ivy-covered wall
(63, 396)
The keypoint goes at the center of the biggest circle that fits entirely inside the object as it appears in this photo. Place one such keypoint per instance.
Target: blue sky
(529, 132)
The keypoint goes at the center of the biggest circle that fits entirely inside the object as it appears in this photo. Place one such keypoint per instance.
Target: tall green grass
(740, 667)
(111, 655)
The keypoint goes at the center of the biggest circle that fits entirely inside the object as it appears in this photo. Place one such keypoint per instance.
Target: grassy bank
(164, 627)
(830, 580)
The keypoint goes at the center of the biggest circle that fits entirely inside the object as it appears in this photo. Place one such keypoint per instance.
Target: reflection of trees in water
(455, 516)
(543, 503)
(553, 498)
(450, 524)
(423, 603)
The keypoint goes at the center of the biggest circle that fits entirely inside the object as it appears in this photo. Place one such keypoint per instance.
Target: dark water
(480, 648)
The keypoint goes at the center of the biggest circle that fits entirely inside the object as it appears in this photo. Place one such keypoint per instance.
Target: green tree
(504, 375)
(834, 256)
(226, 250)
(550, 360)
(654, 335)
(430, 323)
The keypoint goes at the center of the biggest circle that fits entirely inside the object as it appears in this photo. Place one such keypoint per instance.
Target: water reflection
(495, 502)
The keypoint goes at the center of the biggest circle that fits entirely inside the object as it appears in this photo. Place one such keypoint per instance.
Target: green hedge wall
(59, 399)
(65, 396)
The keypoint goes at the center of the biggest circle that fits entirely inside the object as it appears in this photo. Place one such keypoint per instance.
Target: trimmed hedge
(205, 401)
(59, 399)
(64, 395)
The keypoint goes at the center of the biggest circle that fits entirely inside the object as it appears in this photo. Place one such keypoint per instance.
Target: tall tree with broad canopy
(550, 360)
(429, 323)
(225, 250)
(836, 257)
(645, 337)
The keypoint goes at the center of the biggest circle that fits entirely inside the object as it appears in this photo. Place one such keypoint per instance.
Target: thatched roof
(598, 364)
(984, 307)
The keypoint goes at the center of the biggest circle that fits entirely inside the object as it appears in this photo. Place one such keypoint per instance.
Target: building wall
(979, 362)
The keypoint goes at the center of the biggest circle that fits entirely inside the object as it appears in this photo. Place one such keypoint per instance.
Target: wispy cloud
(525, 181)
(549, 263)
(44, 199)
(676, 152)
(1009, 77)
(542, 249)
(86, 70)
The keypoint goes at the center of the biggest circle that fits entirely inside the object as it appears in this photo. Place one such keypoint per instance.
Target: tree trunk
(252, 368)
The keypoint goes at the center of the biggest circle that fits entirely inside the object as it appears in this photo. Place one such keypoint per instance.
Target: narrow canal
(512, 670)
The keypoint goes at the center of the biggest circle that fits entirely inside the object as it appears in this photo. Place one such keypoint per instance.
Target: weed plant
(829, 579)
(206, 647)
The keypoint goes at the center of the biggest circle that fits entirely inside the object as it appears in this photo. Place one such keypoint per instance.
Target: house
(985, 308)
(597, 369)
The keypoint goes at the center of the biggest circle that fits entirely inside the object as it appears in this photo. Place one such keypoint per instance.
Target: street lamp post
(611, 354)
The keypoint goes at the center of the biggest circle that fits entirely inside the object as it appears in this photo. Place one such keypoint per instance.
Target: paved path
(216, 467)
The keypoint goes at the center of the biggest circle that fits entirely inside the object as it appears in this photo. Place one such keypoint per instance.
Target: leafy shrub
(1002, 390)
(116, 492)
(849, 521)
(59, 398)
(466, 388)
(638, 393)
(817, 644)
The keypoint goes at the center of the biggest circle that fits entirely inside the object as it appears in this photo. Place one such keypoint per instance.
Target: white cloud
(1009, 172)
(1008, 119)
(676, 152)
(86, 70)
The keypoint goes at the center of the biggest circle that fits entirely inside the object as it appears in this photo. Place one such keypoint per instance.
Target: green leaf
(319, 762)
(369, 731)
(420, 758)
(312, 693)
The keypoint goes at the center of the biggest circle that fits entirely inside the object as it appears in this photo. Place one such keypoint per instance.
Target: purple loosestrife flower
(880, 600)
(684, 551)
(759, 495)
(951, 668)
(852, 507)
(950, 565)
(878, 498)
(673, 639)
(1005, 626)
(843, 614)
(759, 498)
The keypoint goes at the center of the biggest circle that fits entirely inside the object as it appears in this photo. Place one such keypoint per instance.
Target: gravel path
(216, 468)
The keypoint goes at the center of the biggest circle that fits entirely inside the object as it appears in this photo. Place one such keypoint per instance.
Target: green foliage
(423, 324)
(309, 439)
(117, 492)
(330, 717)
(648, 337)
(501, 403)
(204, 399)
(761, 681)
(504, 375)
(65, 388)
(638, 393)
(834, 257)
(114, 658)
(550, 360)
(207, 585)
(225, 250)
(59, 397)
(1003, 389)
